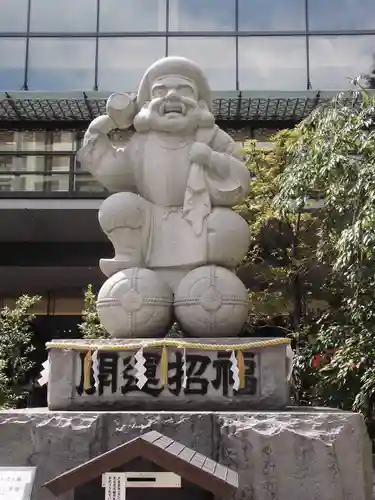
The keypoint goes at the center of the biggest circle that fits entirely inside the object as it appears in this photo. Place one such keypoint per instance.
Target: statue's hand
(200, 153)
(122, 109)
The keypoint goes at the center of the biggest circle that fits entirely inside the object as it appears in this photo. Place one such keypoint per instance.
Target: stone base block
(295, 454)
(209, 381)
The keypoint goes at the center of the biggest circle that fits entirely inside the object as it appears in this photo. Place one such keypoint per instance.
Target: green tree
(281, 261)
(15, 349)
(91, 327)
(335, 156)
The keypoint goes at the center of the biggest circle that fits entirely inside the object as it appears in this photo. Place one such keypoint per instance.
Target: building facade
(269, 63)
(47, 45)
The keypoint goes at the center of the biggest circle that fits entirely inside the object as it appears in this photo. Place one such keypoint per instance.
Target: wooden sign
(16, 483)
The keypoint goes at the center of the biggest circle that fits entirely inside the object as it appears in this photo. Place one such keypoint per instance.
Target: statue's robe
(179, 194)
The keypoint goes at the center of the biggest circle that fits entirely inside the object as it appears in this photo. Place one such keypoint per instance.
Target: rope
(178, 344)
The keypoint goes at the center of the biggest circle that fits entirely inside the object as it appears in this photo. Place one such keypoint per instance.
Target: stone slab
(299, 454)
(209, 382)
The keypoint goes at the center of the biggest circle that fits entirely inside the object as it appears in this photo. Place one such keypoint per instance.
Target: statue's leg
(125, 219)
(228, 237)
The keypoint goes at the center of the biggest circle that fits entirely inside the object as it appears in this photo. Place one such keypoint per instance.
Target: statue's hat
(173, 66)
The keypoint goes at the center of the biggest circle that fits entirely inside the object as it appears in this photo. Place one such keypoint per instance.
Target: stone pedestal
(298, 454)
(209, 380)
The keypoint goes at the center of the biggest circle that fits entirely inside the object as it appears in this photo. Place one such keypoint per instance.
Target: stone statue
(175, 182)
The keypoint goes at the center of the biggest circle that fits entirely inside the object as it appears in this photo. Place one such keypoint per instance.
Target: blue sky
(265, 63)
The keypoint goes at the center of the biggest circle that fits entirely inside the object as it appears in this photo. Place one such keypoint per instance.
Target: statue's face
(174, 107)
(174, 103)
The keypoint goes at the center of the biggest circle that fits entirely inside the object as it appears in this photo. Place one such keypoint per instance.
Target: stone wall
(294, 454)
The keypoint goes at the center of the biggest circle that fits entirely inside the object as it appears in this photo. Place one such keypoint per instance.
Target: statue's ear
(207, 119)
(203, 105)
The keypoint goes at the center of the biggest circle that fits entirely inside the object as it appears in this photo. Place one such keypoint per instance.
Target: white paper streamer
(140, 369)
(44, 374)
(184, 370)
(289, 361)
(234, 370)
(95, 369)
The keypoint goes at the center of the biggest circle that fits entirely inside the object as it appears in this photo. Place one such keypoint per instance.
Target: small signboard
(16, 483)
(116, 483)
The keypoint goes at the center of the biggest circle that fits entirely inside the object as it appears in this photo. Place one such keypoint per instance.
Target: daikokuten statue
(175, 237)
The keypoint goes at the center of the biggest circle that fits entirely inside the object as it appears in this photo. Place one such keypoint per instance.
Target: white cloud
(12, 53)
(122, 61)
(59, 53)
(272, 63)
(201, 15)
(334, 60)
(13, 15)
(66, 15)
(132, 15)
(216, 56)
(341, 14)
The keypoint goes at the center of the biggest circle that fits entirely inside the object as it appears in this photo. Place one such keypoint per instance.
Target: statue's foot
(111, 266)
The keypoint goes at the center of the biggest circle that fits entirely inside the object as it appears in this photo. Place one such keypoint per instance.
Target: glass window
(85, 183)
(341, 14)
(68, 306)
(272, 63)
(63, 141)
(66, 16)
(123, 61)
(31, 163)
(61, 64)
(39, 308)
(58, 163)
(33, 182)
(22, 163)
(12, 63)
(201, 15)
(345, 57)
(7, 140)
(130, 15)
(30, 141)
(216, 56)
(268, 15)
(13, 15)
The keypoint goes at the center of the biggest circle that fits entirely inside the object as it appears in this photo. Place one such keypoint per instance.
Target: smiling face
(174, 107)
(176, 95)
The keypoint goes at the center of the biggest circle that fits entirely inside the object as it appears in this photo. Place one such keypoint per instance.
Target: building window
(67, 306)
(12, 63)
(7, 142)
(122, 61)
(272, 63)
(345, 57)
(40, 308)
(34, 173)
(68, 16)
(61, 64)
(30, 141)
(201, 15)
(341, 14)
(63, 141)
(216, 55)
(13, 16)
(45, 161)
(132, 15)
(268, 15)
